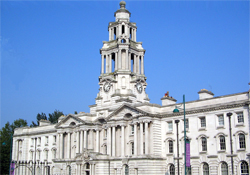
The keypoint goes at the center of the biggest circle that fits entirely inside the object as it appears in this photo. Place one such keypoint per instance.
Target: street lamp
(177, 134)
(185, 139)
(231, 142)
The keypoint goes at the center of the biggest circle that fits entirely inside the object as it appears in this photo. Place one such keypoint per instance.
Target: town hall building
(125, 134)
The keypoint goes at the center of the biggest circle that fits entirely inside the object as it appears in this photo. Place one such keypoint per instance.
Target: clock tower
(122, 76)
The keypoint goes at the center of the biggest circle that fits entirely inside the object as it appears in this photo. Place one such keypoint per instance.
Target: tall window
(54, 153)
(132, 148)
(242, 142)
(105, 133)
(205, 169)
(222, 143)
(170, 146)
(224, 168)
(240, 117)
(46, 154)
(170, 126)
(244, 168)
(46, 140)
(172, 170)
(203, 144)
(143, 147)
(187, 124)
(126, 170)
(221, 120)
(132, 129)
(203, 122)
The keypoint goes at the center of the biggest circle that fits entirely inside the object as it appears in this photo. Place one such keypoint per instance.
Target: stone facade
(126, 134)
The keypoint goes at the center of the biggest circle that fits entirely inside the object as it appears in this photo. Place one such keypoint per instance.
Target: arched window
(204, 144)
(224, 168)
(126, 170)
(242, 142)
(172, 169)
(244, 168)
(72, 124)
(170, 146)
(222, 143)
(205, 169)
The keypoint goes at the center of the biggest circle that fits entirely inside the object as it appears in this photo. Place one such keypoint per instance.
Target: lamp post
(231, 142)
(185, 140)
(177, 134)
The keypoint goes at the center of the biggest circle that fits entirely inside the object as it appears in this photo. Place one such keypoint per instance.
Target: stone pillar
(102, 69)
(146, 138)
(142, 64)
(109, 142)
(135, 139)
(129, 61)
(119, 59)
(135, 64)
(141, 138)
(110, 63)
(77, 169)
(126, 60)
(58, 147)
(113, 141)
(97, 140)
(107, 63)
(69, 145)
(85, 139)
(61, 146)
(110, 34)
(116, 62)
(138, 64)
(77, 142)
(135, 36)
(122, 141)
(81, 140)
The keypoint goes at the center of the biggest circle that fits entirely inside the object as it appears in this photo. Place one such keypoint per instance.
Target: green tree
(5, 143)
(38, 118)
(53, 118)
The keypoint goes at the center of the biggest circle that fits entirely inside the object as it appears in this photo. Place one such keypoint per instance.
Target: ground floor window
(224, 168)
(126, 170)
(205, 169)
(244, 168)
(172, 170)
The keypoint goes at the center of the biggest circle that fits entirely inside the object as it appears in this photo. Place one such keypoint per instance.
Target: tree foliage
(38, 118)
(5, 143)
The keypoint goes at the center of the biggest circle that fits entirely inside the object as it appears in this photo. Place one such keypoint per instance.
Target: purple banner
(188, 154)
(12, 168)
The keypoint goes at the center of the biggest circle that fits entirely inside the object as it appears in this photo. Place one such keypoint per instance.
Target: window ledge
(220, 127)
(203, 152)
(170, 154)
(31, 145)
(221, 151)
(241, 149)
(54, 143)
(38, 145)
(202, 129)
(187, 130)
(169, 132)
(131, 135)
(46, 144)
(105, 138)
(239, 124)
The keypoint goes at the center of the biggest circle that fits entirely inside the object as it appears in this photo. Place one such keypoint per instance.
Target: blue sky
(50, 55)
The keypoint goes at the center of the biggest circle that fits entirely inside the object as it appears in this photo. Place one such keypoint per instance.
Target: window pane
(205, 169)
(242, 141)
(203, 122)
(224, 169)
(221, 120)
(170, 126)
(204, 144)
(170, 143)
(187, 124)
(172, 170)
(244, 168)
(240, 117)
(222, 143)
(126, 170)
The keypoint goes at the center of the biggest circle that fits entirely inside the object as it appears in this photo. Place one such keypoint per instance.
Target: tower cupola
(122, 14)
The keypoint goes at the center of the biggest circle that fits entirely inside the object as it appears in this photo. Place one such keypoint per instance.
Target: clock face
(106, 87)
(139, 87)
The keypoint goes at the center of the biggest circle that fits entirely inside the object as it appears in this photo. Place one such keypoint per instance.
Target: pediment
(70, 121)
(125, 112)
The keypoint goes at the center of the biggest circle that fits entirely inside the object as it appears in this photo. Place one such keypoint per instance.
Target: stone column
(116, 62)
(135, 64)
(122, 141)
(135, 139)
(138, 64)
(97, 140)
(135, 36)
(113, 141)
(102, 68)
(110, 63)
(109, 142)
(146, 138)
(69, 145)
(77, 169)
(129, 61)
(58, 146)
(110, 34)
(126, 60)
(81, 140)
(119, 59)
(142, 64)
(107, 63)
(85, 139)
(141, 138)
(61, 146)
(77, 142)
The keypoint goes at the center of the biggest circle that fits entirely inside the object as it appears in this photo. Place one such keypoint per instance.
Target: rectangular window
(170, 126)
(221, 120)
(204, 144)
(242, 141)
(240, 117)
(132, 129)
(203, 122)
(222, 143)
(170, 146)
(132, 148)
